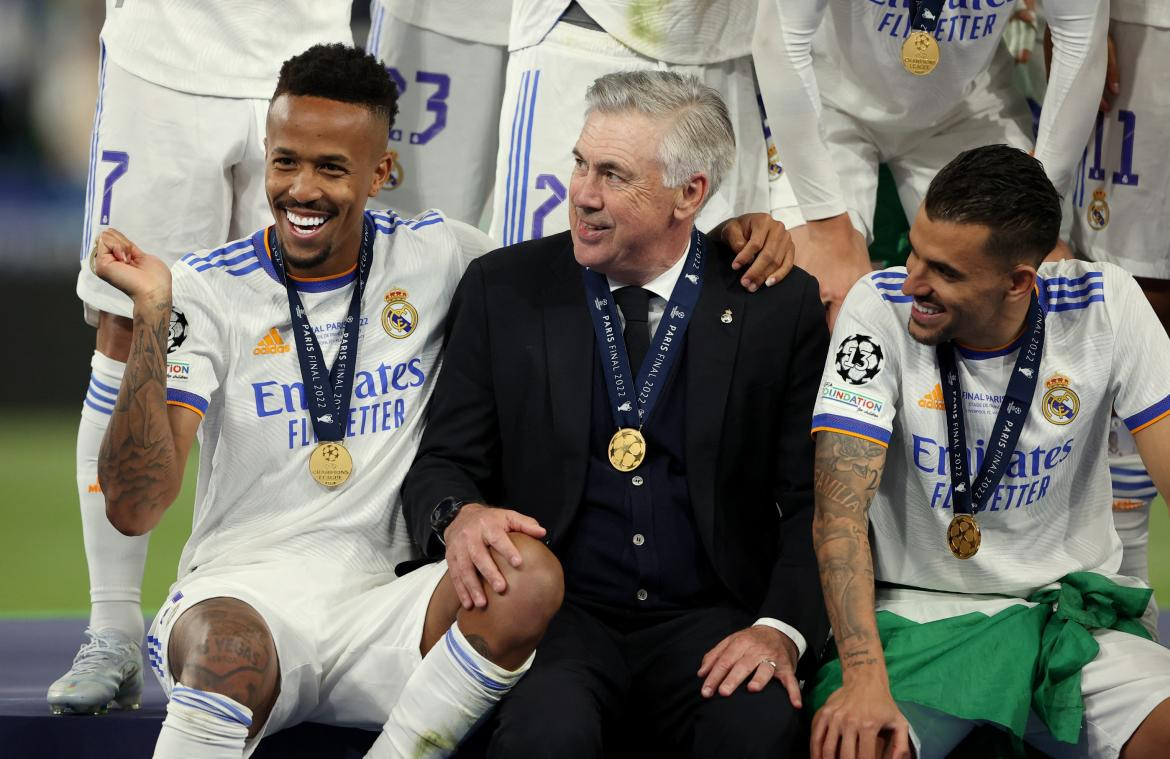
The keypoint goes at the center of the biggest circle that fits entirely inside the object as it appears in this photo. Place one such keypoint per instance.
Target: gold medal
(330, 463)
(963, 536)
(627, 448)
(920, 53)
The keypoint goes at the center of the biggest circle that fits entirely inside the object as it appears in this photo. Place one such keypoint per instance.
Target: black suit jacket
(508, 424)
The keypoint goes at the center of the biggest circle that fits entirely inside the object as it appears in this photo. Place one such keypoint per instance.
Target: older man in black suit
(615, 391)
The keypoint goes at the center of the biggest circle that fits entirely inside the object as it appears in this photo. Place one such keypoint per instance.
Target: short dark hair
(343, 73)
(1002, 188)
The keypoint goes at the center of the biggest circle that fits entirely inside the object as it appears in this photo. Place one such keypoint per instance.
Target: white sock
(452, 689)
(202, 725)
(115, 561)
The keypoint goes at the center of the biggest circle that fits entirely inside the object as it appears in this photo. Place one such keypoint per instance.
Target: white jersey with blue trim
(484, 21)
(707, 31)
(1051, 512)
(222, 48)
(1144, 12)
(232, 360)
(848, 55)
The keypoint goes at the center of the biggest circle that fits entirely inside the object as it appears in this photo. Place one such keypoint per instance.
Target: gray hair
(699, 138)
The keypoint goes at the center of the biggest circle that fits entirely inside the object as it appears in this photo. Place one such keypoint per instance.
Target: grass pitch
(42, 560)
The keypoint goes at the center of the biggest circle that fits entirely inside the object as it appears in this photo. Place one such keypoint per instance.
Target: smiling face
(960, 291)
(623, 221)
(324, 159)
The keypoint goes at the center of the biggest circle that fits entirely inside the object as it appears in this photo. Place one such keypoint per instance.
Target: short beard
(934, 338)
(314, 259)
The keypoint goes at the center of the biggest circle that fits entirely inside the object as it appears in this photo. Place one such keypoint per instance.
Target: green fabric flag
(997, 668)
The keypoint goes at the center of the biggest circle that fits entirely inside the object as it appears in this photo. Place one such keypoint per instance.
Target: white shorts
(174, 172)
(444, 138)
(347, 642)
(1120, 687)
(1120, 201)
(544, 110)
(993, 113)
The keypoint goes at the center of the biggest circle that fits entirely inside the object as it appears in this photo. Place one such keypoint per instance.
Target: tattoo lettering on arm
(848, 470)
(137, 458)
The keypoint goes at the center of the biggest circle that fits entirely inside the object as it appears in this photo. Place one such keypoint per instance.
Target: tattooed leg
(222, 645)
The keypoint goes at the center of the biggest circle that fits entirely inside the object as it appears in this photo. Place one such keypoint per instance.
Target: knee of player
(536, 588)
(223, 646)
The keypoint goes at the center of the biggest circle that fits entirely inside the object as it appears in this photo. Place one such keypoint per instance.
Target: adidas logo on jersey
(270, 343)
(933, 399)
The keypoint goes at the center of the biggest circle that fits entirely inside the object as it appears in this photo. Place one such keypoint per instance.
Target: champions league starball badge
(177, 333)
(859, 359)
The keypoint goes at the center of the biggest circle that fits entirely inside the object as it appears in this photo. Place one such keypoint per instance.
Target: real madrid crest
(397, 175)
(399, 318)
(774, 167)
(1097, 213)
(1060, 404)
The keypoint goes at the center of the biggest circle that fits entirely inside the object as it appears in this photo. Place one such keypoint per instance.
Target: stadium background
(48, 61)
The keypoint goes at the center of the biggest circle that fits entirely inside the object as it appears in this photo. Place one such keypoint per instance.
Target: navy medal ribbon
(328, 394)
(632, 399)
(924, 15)
(967, 497)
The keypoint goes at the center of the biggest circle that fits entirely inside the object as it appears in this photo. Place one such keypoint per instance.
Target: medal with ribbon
(920, 51)
(327, 391)
(967, 498)
(632, 399)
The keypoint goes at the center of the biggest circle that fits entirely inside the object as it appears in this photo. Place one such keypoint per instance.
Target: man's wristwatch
(444, 514)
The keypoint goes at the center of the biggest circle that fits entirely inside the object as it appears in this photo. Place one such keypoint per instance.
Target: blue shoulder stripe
(838, 423)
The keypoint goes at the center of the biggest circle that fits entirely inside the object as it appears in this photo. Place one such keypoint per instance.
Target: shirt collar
(663, 284)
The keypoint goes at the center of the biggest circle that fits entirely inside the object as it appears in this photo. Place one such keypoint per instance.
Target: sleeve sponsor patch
(859, 359)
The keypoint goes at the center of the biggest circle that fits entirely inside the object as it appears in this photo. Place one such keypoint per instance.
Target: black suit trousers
(609, 683)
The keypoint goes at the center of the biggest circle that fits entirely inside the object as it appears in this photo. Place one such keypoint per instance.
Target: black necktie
(635, 305)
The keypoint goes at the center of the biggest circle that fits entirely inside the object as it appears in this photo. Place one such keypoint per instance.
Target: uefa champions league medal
(963, 536)
(633, 399)
(330, 463)
(328, 392)
(627, 449)
(963, 533)
(920, 51)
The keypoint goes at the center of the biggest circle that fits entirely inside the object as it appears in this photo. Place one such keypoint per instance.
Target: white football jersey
(1051, 513)
(1144, 12)
(848, 54)
(224, 48)
(483, 21)
(704, 31)
(232, 360)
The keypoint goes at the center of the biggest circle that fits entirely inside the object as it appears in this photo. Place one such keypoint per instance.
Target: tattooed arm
(862, 713)
(141, 461)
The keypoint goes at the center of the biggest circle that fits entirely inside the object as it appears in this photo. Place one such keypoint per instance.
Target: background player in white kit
(558, 47)
(961, 635)
(849, 104)
(286, 608)
(448, 59)
(177, 163)
(1120, 214)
